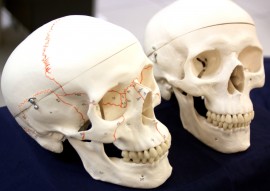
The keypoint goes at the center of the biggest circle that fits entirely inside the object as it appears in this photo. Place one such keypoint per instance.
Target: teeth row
(147, 156)
(228, 121)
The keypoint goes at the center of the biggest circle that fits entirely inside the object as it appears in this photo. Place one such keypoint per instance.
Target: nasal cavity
(236, 81)
(147, 109)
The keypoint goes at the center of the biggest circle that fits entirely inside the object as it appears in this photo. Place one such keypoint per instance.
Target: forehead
(232, 36)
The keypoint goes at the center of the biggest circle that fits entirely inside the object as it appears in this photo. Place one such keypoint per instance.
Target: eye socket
(251, 58)
(206, 63)
(114, 103)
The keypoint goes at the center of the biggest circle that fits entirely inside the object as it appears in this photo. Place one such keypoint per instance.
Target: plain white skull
(78, 69)
(208, 49)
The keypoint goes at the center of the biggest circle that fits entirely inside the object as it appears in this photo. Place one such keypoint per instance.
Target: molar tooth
(153, 153)
(215, 123)
(209, 120)
(126, 159)
(208, 114)
(132, 155)
(136, 160)
(125, 154)
(228, 118)
(230, 126)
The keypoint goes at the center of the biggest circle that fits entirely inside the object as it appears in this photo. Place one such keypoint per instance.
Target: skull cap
(184, 16)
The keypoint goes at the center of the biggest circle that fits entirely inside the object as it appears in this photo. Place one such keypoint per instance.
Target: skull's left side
(75, 80)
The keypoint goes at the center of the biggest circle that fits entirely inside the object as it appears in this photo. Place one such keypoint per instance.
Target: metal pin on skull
(33, 102)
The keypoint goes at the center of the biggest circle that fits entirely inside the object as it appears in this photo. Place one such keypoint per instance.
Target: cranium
(78, 69)
(208, 49)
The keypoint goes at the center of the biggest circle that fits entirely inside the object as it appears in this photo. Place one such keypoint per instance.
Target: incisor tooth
(222, 119)
(246, 117)
(234, 119)
(252, 115)
(228, 118)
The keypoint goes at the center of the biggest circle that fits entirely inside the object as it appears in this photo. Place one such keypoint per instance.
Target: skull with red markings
(88, 81)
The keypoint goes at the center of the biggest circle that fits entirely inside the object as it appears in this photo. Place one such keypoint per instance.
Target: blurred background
(18, 18)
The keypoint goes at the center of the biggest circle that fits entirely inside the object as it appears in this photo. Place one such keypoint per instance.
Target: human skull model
(78, 69)
(208, 49)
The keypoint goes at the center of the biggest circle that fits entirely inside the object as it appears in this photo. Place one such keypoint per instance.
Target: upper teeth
(228, 121)
(147, 156)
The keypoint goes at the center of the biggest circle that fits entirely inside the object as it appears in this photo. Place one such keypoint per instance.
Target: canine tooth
(228, 118)
(246, 117)
(126, 159)
(159, 150)
(240, 118)
(153, 153)
(202, 97)
(222, 118)
(146, 154)
(164, 147)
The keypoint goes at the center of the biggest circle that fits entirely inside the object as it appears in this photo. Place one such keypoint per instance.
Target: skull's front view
(207, 51)
(88, 81)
